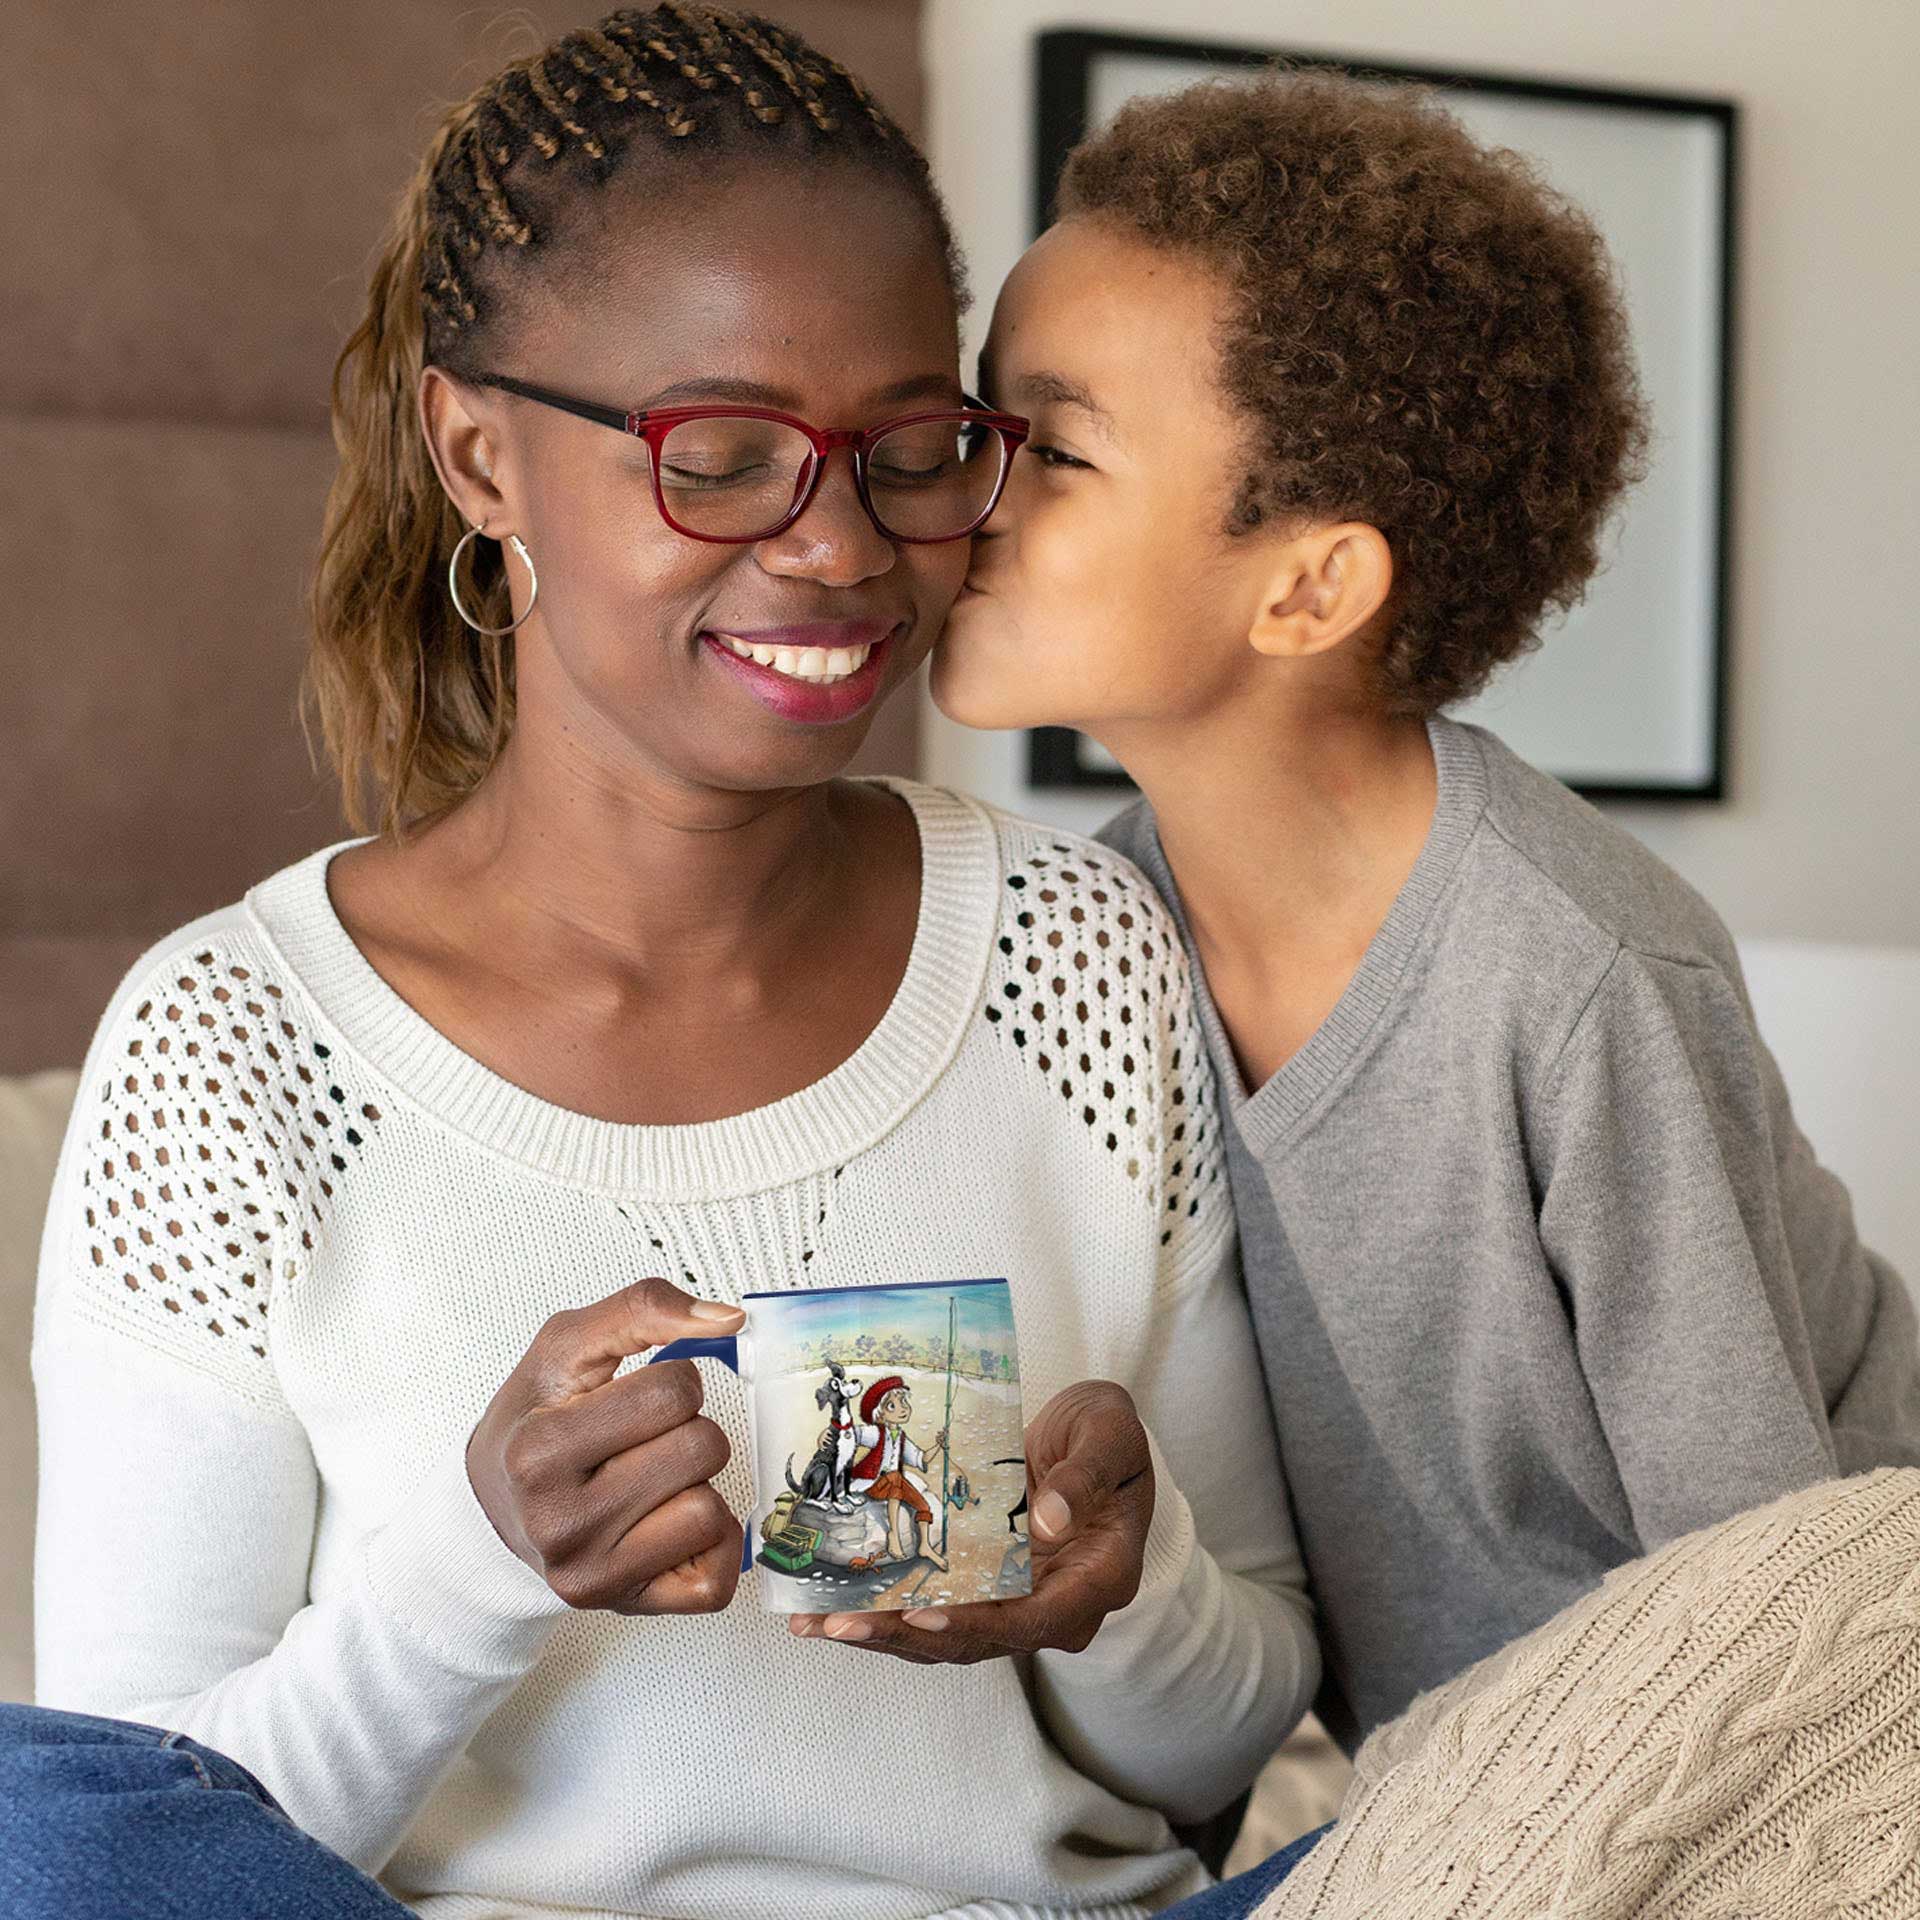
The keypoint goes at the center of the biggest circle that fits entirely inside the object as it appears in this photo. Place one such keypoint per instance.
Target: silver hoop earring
(453, 583)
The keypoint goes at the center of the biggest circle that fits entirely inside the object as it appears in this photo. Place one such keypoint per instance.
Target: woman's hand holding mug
(604, 1486)
(1091, 1475)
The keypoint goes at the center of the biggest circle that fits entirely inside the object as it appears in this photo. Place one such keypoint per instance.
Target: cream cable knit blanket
(1728, 1729)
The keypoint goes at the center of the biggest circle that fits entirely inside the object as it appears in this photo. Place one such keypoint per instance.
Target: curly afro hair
(1420, 333)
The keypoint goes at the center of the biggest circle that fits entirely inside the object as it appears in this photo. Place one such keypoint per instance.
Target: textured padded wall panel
(208, 188)
(155, 764)
(209, 182)
(53, 990)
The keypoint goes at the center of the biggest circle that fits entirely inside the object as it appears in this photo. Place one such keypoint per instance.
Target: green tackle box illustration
(791, 1549)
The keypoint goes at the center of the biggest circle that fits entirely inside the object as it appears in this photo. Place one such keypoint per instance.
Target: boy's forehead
(1100, 269)
(1092, 313)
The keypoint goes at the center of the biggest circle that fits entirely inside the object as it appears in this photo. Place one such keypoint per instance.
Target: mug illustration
(887, 1445)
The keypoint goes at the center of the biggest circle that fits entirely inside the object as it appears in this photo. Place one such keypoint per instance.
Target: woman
(381, 1176)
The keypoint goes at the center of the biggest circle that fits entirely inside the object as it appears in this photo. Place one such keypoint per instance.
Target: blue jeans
(1236, 1898)
(109, 1820)
(106, 1820)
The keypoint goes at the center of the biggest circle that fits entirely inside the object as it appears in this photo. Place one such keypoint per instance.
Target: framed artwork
(1627, 699)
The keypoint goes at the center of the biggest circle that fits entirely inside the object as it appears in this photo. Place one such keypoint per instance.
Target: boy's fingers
(581, 1348)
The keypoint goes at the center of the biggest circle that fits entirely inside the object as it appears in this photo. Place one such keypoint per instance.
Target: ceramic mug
(886, 1441)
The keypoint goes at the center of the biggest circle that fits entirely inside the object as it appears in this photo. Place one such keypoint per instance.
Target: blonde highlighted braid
(413, 705)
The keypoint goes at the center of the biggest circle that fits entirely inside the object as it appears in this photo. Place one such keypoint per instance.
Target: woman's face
(1104, 592)
(818, 291)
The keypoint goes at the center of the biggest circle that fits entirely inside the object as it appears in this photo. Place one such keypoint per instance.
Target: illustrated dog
(826, 1474)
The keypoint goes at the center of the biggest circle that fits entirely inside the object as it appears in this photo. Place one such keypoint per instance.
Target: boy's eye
(1052, 456)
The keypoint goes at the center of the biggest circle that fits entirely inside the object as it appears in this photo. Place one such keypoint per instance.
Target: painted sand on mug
(888, 1437)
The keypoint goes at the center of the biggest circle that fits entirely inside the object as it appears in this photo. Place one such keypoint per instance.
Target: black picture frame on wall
(1067, 94)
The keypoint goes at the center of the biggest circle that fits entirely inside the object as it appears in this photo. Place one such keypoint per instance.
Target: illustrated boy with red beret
(882, 1472)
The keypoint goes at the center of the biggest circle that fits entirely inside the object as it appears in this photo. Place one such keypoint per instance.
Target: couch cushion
(33, 1116)
(1299, 1789)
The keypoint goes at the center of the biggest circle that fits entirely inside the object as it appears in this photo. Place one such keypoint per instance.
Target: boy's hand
(1090, 1480)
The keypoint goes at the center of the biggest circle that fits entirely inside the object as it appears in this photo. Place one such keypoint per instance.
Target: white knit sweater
(298, 1239)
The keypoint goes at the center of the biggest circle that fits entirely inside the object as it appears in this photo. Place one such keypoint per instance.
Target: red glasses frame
(655, 424)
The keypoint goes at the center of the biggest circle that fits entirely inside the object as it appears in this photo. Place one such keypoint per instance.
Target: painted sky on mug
(983, 1316)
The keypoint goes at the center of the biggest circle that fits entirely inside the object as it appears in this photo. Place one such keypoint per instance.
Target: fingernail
(1051, 1514)
(931, 1619)
(849, 1629)
(712, 1310)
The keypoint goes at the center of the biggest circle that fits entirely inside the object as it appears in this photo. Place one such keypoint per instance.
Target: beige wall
(194, 196)
(1821, 837)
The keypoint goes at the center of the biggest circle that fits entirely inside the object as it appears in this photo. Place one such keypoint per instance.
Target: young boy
(1329, 408)
(883, 1472)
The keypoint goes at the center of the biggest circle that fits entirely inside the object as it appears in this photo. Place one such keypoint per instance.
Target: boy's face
(895, 1408)
(1105, 593)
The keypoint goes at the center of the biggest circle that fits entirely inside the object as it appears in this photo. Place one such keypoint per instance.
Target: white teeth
(821, 664)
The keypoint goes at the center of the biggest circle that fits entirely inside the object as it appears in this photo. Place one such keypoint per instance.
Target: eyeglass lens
(735, 477)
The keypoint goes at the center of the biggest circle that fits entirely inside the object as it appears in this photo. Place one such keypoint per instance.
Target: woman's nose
(835, 541)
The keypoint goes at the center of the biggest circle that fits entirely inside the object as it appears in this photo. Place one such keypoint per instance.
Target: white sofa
(33, 1114)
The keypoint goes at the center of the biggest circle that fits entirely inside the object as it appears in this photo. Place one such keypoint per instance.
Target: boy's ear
(1324, 586)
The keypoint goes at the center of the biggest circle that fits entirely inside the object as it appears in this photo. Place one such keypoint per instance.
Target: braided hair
(414, 706)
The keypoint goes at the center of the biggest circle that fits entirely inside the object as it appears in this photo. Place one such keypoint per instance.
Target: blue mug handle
(725, 1348)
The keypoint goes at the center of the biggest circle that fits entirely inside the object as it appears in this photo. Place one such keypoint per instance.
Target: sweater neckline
(810, 1131)
(1266, 1114)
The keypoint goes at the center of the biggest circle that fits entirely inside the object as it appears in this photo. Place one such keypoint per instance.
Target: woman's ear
(1323, 588)
(461, 447)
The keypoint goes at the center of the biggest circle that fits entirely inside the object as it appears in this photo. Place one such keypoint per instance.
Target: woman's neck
(1290, 838)
(650, 876)
(637, 948)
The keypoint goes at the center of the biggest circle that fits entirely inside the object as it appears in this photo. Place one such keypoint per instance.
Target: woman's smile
(818, 674)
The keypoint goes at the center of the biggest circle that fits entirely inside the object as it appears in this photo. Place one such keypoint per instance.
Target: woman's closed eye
(698, 477)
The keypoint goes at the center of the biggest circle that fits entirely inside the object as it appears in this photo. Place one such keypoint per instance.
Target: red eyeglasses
(734, 475)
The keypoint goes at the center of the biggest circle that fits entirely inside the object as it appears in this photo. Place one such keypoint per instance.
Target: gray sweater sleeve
(1738, 1340)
